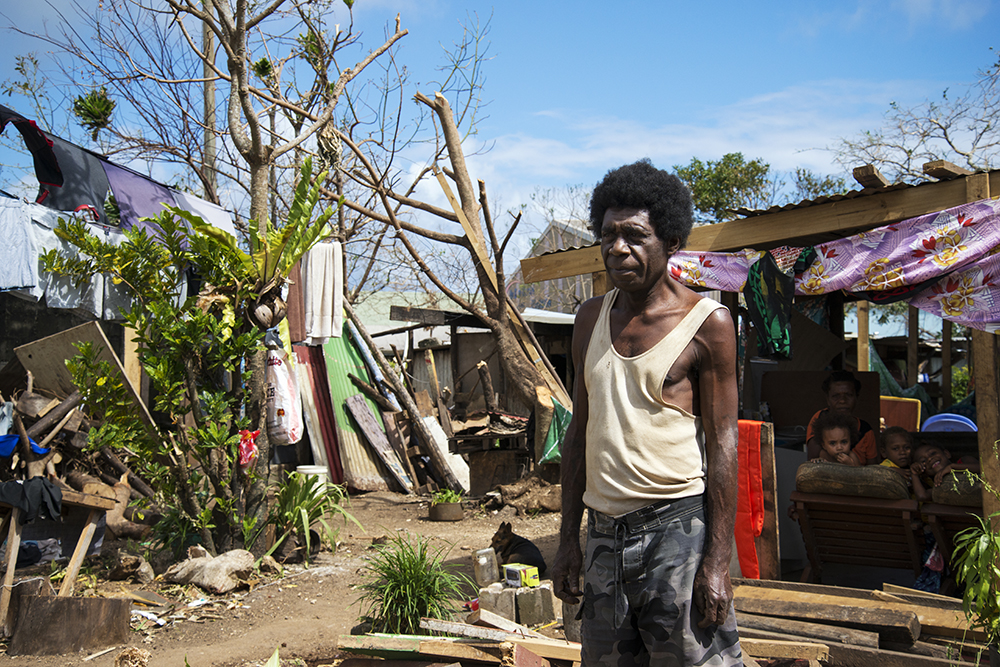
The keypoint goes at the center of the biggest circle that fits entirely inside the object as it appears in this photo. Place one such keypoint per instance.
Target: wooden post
(946, 364)
(912, 339)
(984, 347)
(13, 545)
(864, 339)
(599, 283)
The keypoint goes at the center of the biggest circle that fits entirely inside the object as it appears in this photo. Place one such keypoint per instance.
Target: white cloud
(955, 14)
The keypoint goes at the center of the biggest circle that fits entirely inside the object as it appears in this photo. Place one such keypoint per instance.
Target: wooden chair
(858, 531)
(946, 521)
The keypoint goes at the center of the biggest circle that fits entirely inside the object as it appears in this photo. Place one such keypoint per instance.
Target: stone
(535, 605)
(499, 600)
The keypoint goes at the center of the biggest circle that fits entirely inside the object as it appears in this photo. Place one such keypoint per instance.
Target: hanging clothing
(46, 165)
(138, 197)
(85, 184)
(18, 258)
(211, 213)
(750, 498)
(322, 268)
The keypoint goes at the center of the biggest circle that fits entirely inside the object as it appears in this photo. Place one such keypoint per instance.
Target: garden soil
(304, 611)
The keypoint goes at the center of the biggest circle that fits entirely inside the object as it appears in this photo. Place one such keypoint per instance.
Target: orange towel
(750, 501)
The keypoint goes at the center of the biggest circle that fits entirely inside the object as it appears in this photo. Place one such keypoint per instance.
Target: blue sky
(576, 88)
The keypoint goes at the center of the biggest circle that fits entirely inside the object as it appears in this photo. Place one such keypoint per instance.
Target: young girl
(930, 465)
(896, 446)
(838, 434)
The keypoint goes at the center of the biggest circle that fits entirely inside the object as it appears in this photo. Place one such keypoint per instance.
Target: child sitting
(931, 464)
(837, 434)
(896, 446)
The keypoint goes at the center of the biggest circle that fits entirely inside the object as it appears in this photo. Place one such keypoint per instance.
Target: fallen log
(55, 415)
(85, 483)
(121, 527)
(123, 469)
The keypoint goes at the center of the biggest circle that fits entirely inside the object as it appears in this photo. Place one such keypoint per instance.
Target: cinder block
(499, 600)
(571, 624)
(535, 605)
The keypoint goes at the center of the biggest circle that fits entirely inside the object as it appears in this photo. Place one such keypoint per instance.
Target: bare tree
(960, 127)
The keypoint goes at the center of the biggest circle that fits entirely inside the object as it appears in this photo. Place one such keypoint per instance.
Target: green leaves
(302, 501)
(719, 187)
(407, 581)
(94, 110)
(977, 551)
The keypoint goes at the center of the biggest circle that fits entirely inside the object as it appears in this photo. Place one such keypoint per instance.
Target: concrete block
(499, 600)
(535, 605)
(571, 624)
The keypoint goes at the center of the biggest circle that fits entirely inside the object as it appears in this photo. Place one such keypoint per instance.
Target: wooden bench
(858, 531)
(12, 527)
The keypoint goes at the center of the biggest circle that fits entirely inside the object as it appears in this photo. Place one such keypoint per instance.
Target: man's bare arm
(719, 407)
(569, 558)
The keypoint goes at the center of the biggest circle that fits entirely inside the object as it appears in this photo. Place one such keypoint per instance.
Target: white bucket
(315, 471)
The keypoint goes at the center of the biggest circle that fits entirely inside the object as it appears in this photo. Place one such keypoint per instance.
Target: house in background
(563, 295)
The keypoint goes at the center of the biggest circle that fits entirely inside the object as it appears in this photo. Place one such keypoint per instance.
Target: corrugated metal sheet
(361, 470)
(421, 378)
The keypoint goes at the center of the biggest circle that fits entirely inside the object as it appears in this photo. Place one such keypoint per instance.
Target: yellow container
(517, 575)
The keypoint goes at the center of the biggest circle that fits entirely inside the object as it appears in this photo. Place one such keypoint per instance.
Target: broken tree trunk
(488, 394)
(123, 469)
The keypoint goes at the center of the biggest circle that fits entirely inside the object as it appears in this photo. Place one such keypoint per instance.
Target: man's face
(842, 398)
(633, 254)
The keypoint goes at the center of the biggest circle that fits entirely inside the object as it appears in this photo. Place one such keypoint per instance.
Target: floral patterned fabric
(952, 251)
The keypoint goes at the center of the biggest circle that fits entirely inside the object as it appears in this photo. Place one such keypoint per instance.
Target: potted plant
(446, 505)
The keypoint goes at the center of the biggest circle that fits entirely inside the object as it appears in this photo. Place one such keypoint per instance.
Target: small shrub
(305, 500)
(445, 496)
(407, 581)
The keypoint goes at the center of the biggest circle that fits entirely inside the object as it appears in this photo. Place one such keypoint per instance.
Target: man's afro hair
(641, 185)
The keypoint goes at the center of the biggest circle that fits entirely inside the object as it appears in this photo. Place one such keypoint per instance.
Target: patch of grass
(409, 580)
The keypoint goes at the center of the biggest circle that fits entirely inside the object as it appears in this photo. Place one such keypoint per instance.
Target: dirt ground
(305, 611)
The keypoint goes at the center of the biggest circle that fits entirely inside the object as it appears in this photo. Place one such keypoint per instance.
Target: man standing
(651, 448)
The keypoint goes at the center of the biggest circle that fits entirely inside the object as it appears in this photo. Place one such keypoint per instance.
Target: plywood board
(46, 359)
(376, 438)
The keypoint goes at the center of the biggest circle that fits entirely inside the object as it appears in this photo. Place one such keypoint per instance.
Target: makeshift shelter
(931, 244)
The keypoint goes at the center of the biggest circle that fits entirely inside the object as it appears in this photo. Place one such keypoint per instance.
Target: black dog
(511, 548)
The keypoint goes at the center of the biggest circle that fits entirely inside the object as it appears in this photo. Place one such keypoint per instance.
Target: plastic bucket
(314, 471)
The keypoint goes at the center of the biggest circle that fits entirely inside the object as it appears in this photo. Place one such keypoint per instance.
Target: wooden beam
(946, 364)
(766, 544)
(870, 177)
(944, 170)
(984, 349)
(796, 628)
(599, 282)
(912, 343)
(775, 648)
(889, 623)
(864, 339)
(977, 187)
(433, 317)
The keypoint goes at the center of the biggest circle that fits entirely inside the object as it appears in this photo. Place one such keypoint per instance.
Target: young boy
(930, 465)
(896, 447)
(837, 434)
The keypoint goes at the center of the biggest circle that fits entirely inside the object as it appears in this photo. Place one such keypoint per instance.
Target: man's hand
(566, 572)
(712, 594)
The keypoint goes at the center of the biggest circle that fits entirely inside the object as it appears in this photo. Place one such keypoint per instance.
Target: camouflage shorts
(637, 607)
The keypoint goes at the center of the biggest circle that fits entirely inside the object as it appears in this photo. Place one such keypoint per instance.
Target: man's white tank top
(640, 449)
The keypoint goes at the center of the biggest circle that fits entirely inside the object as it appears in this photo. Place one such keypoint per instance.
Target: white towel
(322, 268)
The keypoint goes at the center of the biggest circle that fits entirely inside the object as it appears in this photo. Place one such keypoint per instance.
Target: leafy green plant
(445, 496)
(406, 581)
(959, 383)
(977, 551)
(94, 110)
(303, 501)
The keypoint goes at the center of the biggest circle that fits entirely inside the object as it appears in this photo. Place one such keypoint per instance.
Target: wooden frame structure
(826, 219)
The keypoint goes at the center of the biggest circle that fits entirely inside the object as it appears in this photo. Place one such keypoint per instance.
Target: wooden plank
(947, 622)
(433, 317)
(863, 337)
(599, 283)
(376, 438)
(984, 352)
(944, 170)
(977, 187)
(46, 359)
(356, 661)
(796, 628)
(766, 544)
(13, 523)
(846, 655)
(550, 649)
(488, 619)
(921, 597)
(946, 363)
(49, 625)
(424, 404)
(395, 438)
(775, 648)
(73, 569)
(464, 629)
(912, 343)
(479, 651)
(889, 623)
(71, 497)
(870, 177)
(521, 656)
(390, 648)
